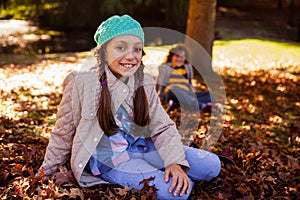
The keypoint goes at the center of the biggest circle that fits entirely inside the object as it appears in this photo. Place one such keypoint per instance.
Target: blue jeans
(189, 99)
(203, 166)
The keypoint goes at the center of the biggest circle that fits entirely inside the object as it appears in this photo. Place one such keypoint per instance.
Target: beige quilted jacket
(77, 131)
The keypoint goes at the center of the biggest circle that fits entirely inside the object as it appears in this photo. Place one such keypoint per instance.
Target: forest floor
(260, 127)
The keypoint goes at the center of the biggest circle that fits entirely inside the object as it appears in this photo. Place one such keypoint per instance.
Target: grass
(256, 54)
(258, 44)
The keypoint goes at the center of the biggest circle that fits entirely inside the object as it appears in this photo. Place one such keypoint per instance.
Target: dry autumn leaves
(260, 133)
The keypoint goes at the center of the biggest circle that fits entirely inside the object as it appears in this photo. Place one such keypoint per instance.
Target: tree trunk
(3, 4)
(201, 22)
(291, 13)
(200, 36)
(298, 31)
(279, 4)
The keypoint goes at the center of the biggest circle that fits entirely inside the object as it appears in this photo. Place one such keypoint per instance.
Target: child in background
(174, 82)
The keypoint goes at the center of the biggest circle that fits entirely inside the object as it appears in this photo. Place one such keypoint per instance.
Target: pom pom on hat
(116, 26)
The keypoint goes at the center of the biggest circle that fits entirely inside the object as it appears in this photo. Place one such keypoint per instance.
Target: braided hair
(140, 101)
(105, 114)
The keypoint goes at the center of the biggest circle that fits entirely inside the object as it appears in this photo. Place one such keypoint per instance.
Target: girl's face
(178, 59)
(124, 55)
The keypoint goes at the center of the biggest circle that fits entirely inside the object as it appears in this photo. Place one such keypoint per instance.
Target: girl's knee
(215, 167)
(204, 165)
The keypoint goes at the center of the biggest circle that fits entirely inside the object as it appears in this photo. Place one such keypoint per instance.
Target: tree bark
(279, 4)
(201, 22)
(201, 28)
(298, 31)
(291, 13)
(200, 35)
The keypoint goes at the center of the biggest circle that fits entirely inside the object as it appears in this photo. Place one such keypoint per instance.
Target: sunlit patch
(252, 83)
(281, 88)
(153, 58)
(25, 88)
(16, 26)
(228, 118)
(297, 140)
(259, 98)
(251, 108)
(244, 56)
(275, 119)
(233, 101)
(8, 108)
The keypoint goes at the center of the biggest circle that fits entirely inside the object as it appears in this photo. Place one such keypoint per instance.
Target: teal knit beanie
(116, 26)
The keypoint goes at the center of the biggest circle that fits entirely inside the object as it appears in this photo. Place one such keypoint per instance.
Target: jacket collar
(114, 82)
(118, 89)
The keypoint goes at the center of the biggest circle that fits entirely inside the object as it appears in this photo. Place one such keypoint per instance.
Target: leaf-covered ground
(260, 133)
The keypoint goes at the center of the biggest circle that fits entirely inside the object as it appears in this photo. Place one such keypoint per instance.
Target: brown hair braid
(140, 101)
(105, 115)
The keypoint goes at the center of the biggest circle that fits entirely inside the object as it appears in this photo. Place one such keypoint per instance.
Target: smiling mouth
(128, 66)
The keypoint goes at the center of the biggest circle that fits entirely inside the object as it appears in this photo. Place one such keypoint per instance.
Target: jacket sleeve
(191, 73)
(164, 133)
(162, 80)
(60, 143)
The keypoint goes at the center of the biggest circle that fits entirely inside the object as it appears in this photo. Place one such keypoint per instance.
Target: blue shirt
(113, 150)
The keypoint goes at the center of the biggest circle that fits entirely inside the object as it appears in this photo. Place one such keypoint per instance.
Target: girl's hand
(180, 180)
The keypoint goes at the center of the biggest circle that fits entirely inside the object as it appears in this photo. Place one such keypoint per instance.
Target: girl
(112, 127)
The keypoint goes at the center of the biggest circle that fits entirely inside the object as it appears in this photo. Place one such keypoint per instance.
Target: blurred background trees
(78, 14)
(70, 14)
(194, 18)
